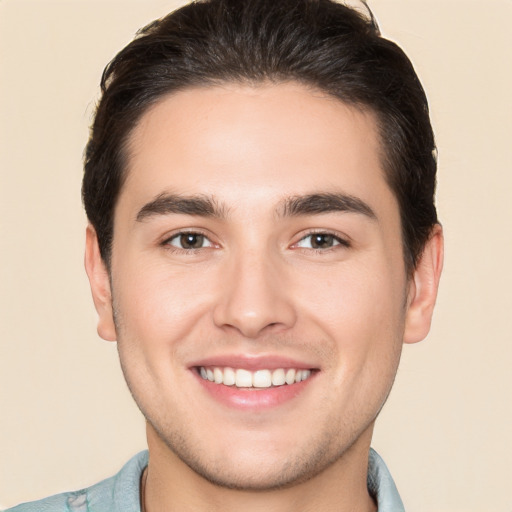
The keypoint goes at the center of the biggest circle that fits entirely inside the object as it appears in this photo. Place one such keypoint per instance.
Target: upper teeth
(257, 379)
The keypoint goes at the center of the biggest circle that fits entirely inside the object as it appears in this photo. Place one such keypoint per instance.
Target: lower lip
(254, 398)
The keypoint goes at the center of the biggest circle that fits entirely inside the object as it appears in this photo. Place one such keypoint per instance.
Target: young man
(259, 183)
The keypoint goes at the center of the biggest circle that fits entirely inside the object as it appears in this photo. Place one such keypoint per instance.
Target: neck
(171, 486)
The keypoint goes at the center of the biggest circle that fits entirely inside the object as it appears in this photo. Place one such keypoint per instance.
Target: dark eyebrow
(315, 204)
(164, 204)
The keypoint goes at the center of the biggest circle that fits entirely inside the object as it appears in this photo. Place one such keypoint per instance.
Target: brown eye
(189, 241)
(320, 241)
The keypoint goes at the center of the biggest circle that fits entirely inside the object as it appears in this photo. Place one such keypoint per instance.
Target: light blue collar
(381, 485)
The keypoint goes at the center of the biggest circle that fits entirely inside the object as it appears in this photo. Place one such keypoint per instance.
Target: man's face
(256, 241)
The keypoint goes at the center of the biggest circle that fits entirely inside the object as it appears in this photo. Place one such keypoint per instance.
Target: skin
(256, 287)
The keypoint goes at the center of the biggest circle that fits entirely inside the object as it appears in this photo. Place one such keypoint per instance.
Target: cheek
(361, 312)
(159, 307)
(360, 299)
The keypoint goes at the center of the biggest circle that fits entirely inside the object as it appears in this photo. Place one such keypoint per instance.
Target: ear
(100, 285)
(423, 288)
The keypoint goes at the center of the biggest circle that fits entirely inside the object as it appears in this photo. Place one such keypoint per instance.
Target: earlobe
(100, 285)
(423, 288)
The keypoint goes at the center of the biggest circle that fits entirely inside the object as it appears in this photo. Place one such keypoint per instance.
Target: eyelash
(340, 242)
(337, 240)
(168, 246)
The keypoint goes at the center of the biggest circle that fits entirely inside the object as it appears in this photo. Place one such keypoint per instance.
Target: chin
(254, 475)
(259, 465)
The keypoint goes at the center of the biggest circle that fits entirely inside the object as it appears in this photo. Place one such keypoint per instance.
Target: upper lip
(253, 362)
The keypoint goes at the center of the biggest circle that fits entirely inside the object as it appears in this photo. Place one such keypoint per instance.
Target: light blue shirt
(121, 493)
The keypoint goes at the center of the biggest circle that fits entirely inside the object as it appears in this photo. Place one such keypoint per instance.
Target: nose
(255, 297)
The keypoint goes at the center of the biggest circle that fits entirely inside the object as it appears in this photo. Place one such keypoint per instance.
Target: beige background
(66, 419)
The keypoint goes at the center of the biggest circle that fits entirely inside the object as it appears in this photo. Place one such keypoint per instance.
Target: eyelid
(343, 240)
(186, 231)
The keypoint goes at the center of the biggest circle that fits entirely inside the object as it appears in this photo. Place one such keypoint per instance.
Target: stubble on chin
(319, 455)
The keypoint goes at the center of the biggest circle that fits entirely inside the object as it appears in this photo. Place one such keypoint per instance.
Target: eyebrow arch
(315, 204)
(206, 206)
(164, 204)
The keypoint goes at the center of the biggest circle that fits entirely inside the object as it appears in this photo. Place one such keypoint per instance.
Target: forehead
(244, 143)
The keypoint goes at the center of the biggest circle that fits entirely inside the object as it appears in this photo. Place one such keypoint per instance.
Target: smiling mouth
(263, 378)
